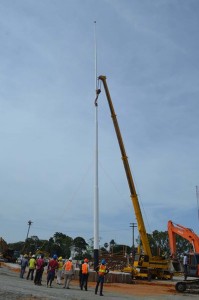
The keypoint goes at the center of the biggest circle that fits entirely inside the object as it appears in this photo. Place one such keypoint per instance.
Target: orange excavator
(192, 257)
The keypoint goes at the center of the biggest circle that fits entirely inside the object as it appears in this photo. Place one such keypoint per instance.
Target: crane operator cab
(141, 259)
(192, 265)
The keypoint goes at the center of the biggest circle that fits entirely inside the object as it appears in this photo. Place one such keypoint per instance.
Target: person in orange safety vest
(102, 271)
(85, 274)
(68, 272)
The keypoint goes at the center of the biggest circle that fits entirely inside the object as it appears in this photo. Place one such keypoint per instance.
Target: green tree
(106, 246)
(80, 247)
(60, 244)
(182, 246)
(159, 242)
(112, 244)
(16, 246)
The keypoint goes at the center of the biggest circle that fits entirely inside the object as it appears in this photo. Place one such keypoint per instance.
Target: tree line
(63, 245)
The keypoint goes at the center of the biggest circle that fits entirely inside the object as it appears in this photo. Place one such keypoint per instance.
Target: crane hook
(98, 91)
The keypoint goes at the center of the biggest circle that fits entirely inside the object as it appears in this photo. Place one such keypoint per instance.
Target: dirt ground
(13, 287)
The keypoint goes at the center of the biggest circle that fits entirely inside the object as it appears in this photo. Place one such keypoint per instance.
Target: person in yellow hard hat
(59, 270)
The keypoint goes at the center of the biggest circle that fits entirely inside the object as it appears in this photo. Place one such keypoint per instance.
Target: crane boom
(145, 265)
(134, 197)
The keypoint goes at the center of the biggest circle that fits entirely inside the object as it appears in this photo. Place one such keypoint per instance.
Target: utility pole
(29, 224)
(24, 247)
(133, 226)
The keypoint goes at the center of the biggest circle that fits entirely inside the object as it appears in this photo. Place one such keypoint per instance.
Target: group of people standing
(33, 263)
(56, 266)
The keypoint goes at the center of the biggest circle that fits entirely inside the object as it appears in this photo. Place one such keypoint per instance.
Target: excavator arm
(184, 232)
(134, 197)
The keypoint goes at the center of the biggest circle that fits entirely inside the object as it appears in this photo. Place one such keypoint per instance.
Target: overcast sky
(148, 49)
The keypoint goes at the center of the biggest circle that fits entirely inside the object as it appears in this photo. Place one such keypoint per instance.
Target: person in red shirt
(52, 266)
(39, 270)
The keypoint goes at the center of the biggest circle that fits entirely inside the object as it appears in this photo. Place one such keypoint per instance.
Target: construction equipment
(192, 269)
(145, 265)
(185, 233)
(5, 253)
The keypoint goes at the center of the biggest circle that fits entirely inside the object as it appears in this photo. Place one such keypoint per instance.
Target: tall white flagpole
(96, 194)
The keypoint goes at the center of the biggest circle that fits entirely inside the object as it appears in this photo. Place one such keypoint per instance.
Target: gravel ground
(12, 287)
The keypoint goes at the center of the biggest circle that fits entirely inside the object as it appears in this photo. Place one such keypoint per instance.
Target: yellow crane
(145, 265)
